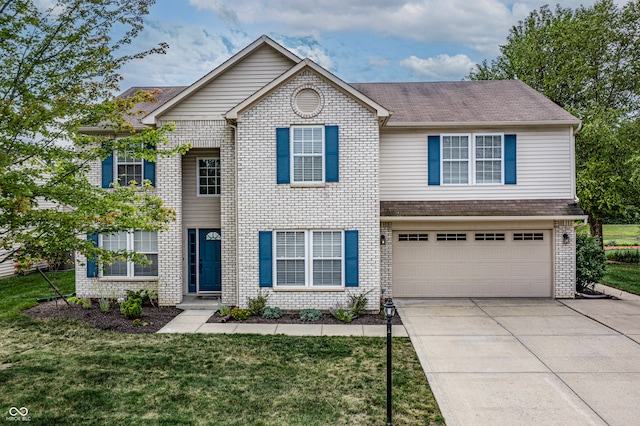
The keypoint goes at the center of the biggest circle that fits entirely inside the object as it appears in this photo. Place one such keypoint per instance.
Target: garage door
(472, 264)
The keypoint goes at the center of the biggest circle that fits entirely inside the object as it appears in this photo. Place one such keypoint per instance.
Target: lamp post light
(389, 312)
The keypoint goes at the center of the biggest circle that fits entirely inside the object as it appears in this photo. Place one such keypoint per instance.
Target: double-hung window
(208, 176)
(129, 168)
(307, 151)
(472, 159)
(488, 159)
(309, 258)
(455, 159)
(139, 241)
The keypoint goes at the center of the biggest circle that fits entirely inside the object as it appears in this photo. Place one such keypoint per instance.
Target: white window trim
(130, 265)
(471, 160)
(116, 163)
(292, 156)
(501, 159)
(198, 194)
(308, 260)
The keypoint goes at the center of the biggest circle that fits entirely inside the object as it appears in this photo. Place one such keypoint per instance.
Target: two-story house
(307, 187)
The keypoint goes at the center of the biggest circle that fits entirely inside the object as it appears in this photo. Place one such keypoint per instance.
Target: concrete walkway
(528, 361)
(195, 321)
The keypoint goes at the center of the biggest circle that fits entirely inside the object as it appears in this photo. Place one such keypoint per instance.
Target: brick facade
(350, 204)
(564, 259)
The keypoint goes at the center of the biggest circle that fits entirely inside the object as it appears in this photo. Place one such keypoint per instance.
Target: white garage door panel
(472, 268)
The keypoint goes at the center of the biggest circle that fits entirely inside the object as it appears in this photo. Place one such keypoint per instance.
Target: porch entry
(204, 261)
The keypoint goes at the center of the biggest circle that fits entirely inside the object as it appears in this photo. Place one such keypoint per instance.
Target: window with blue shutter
(265, 258)
(283, 155)
(331, 153)
(351, 259)
(92, 267)
(510, 169)
(149, 168)
(107, 171)
(433, 160)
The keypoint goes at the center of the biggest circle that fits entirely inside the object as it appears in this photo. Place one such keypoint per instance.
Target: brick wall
(386, 260)
(564, 260)
(350, 204)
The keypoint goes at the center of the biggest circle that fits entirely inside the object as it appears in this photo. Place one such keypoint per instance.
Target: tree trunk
(595, 226)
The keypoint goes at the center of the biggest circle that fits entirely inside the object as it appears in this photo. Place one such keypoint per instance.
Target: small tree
(590, 262)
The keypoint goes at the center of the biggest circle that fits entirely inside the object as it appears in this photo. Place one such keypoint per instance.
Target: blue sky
(358, 40)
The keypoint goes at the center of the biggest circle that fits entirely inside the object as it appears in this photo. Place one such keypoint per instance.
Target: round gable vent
(307, 102)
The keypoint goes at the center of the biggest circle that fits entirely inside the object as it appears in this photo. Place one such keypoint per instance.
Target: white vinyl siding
(544, 164)
(198, 212)
(233, 86)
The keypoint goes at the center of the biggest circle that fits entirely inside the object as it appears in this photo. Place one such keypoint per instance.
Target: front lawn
(624, 277)
(626, 234)
(64, 372)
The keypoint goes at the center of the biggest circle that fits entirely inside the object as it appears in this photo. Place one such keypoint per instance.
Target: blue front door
(210, 276)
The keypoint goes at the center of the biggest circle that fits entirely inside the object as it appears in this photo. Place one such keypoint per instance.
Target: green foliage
(590, 261)
(224, 310)
(240, 314)
(86, 302)
(147, 297)
(357, 303)
(625, 277)
(74, 299)
(624, 255)
(310, 315)
(256, 305)
(105, 305)
(586, 60)
(60, 70)
(341, 313)
(131, 308)
(272, 313)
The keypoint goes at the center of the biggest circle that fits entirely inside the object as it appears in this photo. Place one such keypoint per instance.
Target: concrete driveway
(529, 361)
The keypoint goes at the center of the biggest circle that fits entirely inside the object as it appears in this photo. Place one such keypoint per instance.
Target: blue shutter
(92, 267)
(510, 170)
(331, 151)
(351, 258)
(434, 159)
(283, 155)
(149, 169)
(192, 260)
(107, 171)
(265, 256)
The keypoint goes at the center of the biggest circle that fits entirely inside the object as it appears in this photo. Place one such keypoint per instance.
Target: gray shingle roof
(166, 93)
(481, 208)
(465, 101)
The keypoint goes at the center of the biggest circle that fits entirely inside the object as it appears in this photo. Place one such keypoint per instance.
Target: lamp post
(389, 312)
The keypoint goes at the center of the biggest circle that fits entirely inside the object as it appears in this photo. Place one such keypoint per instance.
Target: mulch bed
(156, 318)
(367, 319)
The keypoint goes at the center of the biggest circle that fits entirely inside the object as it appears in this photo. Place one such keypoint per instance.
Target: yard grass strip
(625, 277)
(65, 372)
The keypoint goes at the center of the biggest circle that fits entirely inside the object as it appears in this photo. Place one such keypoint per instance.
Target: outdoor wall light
(565, 238)
(383, 240)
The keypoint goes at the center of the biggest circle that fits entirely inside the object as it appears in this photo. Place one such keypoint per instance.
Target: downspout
(235, 172)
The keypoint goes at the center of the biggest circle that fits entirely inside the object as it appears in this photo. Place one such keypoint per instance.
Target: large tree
(59, 75)
(587, 60)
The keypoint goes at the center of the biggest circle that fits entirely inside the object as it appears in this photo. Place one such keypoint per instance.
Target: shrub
(131, 308)
(74, 299)
(624, 255)
(590, 262)
(224, 310)
(341, 313)
(86, 302)
(272, 313)
(147, 296)
(240, 314)
(105, 305)
(310, 315)
(358, 303)
(257, 304)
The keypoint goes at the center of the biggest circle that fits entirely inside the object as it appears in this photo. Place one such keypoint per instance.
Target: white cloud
(378, 62)
(442, 67)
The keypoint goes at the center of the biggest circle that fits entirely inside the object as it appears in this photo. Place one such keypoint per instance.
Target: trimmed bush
(131, 308)
(590, 262)
(624, 255)
(310, 315)
(272, 313)
(257, 304)
(240, 314)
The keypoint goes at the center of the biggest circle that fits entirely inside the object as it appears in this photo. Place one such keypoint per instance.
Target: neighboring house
(308, 187)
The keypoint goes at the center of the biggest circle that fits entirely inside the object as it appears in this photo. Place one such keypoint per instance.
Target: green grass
(621, 233)
(624, 277)
(67, 373)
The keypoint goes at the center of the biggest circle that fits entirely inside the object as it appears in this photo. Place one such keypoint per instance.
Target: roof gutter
(440, 124)
(477, 218)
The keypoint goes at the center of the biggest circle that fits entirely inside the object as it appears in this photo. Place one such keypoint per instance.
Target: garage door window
(489, 236)
(528, 236)
(413, 237)
(452, 237)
